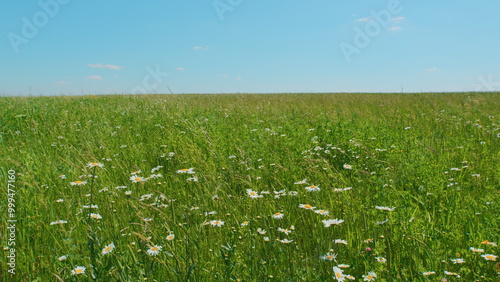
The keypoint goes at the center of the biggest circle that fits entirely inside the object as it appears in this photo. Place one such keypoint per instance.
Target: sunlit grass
(202, 187)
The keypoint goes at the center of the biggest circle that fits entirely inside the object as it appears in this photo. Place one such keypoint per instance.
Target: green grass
(434, 157)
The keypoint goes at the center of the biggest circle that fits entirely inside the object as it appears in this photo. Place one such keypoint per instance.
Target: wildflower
(156, 168)
(217, 223)
(293, 193)
(78, 270)
(136, 179)
(343, 265)
(286, 231)
(155, 250)
(266, 239)
(153, 176)
(171, 154)
(261, 231)
(476, 250)
(459, 260)
(340, 241)
(95, 215)
(330, 222)
(285, 241)
(170, 237)
(253, 194)
(428, 273)
(381, 259)
(62, 258)
(59, 222)
(146, 197)
(244, 223)
(194, 179)
(368, 240)
(486, 242)
(385, 208)
(62, 176)
(147, 219)
(313, 188)
(451, 273)
(329, 256)
(490, 257)
(60, 200)
(370, 276)
(306, 206)
(322, 212)
(186, 170)
(346, 166)
(78, 183)
(382, 222)
(108, 249)
(304, 181)
(91, 165)
(338, 273)
(128, 193)
(278, 215)
(350, 277)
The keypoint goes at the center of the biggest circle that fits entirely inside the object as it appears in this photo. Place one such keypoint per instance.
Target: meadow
(276, 187)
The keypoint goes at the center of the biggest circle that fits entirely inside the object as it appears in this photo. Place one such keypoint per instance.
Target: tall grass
(434, 157)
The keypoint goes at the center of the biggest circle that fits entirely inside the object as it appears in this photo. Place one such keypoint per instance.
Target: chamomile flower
(459, 260)
(108, 249)
(91, 165)
(170, 237)
(78, 270)
(278, 215)
(186, 170)
(134, 178)
(451, 273)
(381, 259)
(385, 208)
(329, 256)
(244, 223)
(312, 188)
(304, 181)
(261, 231)
(60, 200)
(62, 258)
(218, 223)
(346, 166)
(343, 265)
(59, 222)
(253, 194)
(338, 274)
(476, 250)
(490, 257)
(486, 242)
(95, 215)
(341, 241)
(330, 222)
(322, 212)
(154, 251)
(370, 276)
(285, 241)
(78, 183)
(306, 206)
(286, 231)
(427, 273)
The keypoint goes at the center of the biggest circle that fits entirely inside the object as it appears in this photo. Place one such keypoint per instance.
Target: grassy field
(248, 187)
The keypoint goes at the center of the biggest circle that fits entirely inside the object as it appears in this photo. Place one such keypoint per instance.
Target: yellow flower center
(78, 271)
(78, 181)
(154, 249)
(338, 274)
(307, 206)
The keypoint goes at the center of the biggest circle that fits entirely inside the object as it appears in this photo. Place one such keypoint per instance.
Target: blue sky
(69, 47)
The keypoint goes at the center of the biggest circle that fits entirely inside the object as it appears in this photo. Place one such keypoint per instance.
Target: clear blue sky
(56, 47)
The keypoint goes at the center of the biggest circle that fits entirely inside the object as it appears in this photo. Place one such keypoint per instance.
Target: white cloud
(94, 77)
(397, 19)
(394, 28)
(367, 19)
(431, 69)
(59, 83)
(181, 69)
(200, 48)
(239, 78)
(106, 66)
